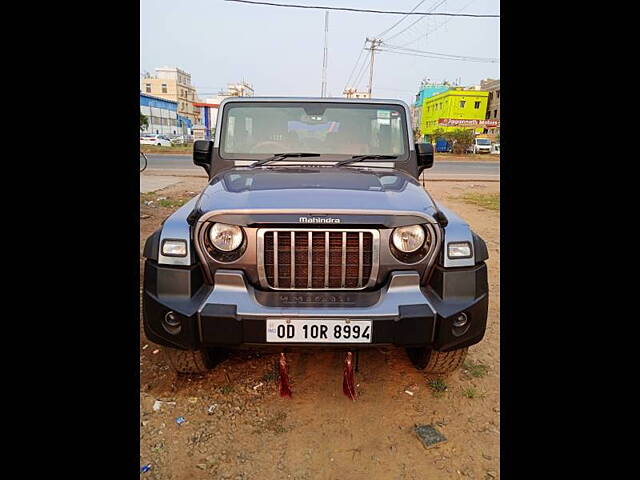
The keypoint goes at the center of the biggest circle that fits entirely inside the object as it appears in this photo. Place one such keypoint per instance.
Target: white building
(353, 93)
(209, 107)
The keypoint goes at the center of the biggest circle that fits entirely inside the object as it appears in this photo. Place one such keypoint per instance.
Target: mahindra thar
(314, 231)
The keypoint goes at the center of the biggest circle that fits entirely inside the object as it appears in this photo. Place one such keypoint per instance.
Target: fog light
(171, 319)
(171, 323)
(461, 320)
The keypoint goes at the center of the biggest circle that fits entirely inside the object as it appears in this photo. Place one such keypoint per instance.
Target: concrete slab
(454, 177)
(151, 183)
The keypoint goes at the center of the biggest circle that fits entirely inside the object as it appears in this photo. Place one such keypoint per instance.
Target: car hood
(309, 188)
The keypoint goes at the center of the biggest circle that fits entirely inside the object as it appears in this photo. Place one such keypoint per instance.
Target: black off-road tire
(438, 363)
(188, 361)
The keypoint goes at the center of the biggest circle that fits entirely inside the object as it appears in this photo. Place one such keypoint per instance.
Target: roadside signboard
(462, 122)
(199, 132)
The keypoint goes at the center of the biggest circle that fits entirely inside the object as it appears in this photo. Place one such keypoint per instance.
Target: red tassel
(348, 381)
(283, 378)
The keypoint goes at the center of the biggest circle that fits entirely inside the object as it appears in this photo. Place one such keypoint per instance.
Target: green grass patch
(226, 389)
(161, 201)
(466, 157)
(168, 203)
(471, 392)
(173, 149)
(438, 386)
(490, 201)
(476, 370)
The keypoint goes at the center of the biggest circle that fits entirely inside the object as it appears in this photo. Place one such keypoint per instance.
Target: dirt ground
(238, 427)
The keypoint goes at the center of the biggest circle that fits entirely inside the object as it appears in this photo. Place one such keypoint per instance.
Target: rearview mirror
(202, 153)
(424, 152)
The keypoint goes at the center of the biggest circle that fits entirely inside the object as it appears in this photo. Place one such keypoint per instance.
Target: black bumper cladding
(232, 313)
(220, 325)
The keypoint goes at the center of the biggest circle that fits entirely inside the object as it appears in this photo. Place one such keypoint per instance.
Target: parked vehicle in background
(480, 145)
(159, 140)
(181, 139)
(443, 146)
(495, 149)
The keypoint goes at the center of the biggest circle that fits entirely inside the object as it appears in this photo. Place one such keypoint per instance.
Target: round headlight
(225, 237)
(408, 239)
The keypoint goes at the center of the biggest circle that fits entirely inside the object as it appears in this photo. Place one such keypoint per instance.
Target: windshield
(483, 141)
(335, 131)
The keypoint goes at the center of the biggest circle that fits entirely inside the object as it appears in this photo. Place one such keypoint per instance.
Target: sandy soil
(252, 433)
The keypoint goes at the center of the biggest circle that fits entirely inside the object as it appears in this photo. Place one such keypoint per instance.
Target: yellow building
(453, 107)
(173, 84)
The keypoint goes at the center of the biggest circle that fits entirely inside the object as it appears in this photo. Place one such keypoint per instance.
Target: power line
(431, 31)
(356, 65)
(418, 20)
(442, 57)
(412, 50)
(395, 24)
(362, 10)
(363, 69)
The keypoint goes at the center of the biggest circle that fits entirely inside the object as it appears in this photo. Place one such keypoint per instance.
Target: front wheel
(439, 363)
(192, 361)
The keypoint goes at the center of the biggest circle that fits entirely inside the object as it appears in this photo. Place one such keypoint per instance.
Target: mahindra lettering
(314, 232)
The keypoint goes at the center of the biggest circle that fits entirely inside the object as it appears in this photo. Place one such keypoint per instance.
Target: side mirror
(202, 153)
(424, 152)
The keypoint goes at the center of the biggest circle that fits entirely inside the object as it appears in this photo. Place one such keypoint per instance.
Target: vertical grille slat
(293, 259)
(361, 254)
(326, 259)
(276, 273)
(309, 259)
(317, 259)
(344, 260)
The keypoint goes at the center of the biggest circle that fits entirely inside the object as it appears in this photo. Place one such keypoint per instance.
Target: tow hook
(348, 380)
(284, 386)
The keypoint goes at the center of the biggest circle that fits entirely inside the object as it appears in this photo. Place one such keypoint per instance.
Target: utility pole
(325, 58)
(375, 43)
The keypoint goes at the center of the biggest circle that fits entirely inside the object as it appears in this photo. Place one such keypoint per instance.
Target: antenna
(325, 58)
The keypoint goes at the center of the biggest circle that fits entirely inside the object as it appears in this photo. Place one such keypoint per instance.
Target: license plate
(318, 331)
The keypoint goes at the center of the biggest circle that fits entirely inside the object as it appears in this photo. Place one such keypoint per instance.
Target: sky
(279, 51)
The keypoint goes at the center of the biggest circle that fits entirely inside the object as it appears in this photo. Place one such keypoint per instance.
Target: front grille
(299, 259)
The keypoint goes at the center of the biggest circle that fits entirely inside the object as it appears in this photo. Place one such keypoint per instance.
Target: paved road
(440, 169)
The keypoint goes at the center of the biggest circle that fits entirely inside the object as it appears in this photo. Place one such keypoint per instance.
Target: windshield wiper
(280, 156)
(359, 158)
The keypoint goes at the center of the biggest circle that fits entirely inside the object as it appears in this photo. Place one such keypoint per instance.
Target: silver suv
(314, 231)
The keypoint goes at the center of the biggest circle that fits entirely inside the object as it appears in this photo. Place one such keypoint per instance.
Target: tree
(462, 139)
(437, 134)
(144, 121)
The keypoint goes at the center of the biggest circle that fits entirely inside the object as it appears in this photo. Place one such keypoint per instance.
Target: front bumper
(232, 313)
